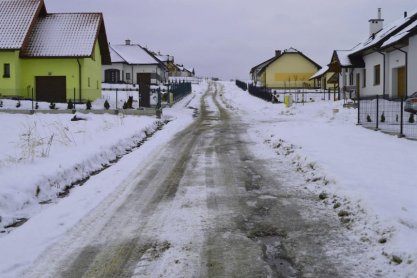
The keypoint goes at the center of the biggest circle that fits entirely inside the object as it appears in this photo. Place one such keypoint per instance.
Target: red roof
(16, 17)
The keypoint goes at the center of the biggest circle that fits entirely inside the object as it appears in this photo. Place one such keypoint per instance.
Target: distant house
(133, 64)
(326, 80)
(55, 56)
(168, 61)
(288, 69)
(184, 72)
(384, 63)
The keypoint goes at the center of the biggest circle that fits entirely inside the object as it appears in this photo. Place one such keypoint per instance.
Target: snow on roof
(134, 54)
(343, 56)
(320, 72)
(291, 50)
(386, 31)
(115, 58)
(164, 58)
(63, 35)
(403, 33)
(16, 17)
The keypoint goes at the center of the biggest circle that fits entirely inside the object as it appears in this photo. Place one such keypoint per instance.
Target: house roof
(63, 35)
(258, 67)
(134, 54)
(320, 73)
(164, 58)
(16, 18)
(403, 34)
(115, 58)
(343, 57)
(291, 51)
(26, 26)
(387, 31)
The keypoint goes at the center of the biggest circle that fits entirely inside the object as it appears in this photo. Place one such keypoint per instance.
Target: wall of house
(261, 79)
(370, 88)
(10, 86)
(394, 60)
(290, 70)
(133, 70)
(91, 75)
(117, 66)
(68, 67)
(33, 67)
(412, 65)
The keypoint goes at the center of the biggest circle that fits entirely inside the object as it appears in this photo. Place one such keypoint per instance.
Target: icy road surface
(206, 206)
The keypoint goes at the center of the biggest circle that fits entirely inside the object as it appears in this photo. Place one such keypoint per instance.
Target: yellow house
(288, 69)
(50, 56)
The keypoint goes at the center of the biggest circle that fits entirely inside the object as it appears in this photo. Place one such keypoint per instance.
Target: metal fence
(297, 95)
(180, 90)
(259, 92)
(242, 85)
(387, 115)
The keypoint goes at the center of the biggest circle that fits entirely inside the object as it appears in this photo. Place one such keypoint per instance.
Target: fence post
(377, 112)
(401, 119)
(139, 95)
(359, 110)
(328, 91)
(32, 99)
(74, 99)
(116, 99)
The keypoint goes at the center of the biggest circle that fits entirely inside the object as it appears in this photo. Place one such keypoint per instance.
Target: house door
(51, 88)
(401, 72)
(144, 81)
(358, 84)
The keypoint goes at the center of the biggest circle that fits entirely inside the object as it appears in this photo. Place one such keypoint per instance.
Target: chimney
(127, 42)
(277, 53)
(376, 25)
(405, 14)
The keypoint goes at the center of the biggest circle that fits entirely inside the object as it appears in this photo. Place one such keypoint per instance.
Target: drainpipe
(406, 69)
(79, 80)
(383, 84)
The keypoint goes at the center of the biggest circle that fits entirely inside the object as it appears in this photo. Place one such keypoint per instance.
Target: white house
(133, 64)
(401, 61)
(378, 65)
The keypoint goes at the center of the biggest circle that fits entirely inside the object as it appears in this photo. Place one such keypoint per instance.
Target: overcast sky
(225, 38)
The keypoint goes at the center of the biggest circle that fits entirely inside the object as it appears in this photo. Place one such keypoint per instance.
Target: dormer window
(6, 70)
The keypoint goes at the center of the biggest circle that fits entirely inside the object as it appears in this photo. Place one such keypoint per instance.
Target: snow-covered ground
(41, 155)
(367, 177)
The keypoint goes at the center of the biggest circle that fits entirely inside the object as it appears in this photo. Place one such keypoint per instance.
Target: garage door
(51, 88)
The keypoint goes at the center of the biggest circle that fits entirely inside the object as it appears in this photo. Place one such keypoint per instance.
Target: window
(6, 70)
(351, 77)
(127, 75)
(112, 76)
(377, 74)
(364, 78)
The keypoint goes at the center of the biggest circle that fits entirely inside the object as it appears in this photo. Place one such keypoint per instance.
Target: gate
(144, 81)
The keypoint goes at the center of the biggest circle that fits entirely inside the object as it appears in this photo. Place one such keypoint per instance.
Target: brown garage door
(144, 81)
(51, 88)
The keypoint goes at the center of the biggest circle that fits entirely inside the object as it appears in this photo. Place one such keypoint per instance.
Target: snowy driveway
(204, 205)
